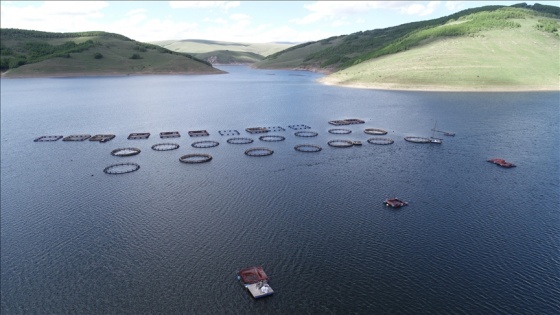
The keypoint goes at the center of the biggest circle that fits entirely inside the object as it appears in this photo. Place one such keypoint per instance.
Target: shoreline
(441, 88)
(107, 74)
(323, 80)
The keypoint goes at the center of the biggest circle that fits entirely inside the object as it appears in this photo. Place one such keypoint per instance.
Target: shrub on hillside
(135, 56)
(97, 55)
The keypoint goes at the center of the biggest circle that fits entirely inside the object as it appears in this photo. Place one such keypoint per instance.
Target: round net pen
(195, 158)
(258, 152)
(205, 144)
(341, 143)
(125, 152)
(338, 131)
(239, 140)
(272, 138)
(307, 148)
(306, 134)
(165, 146)
(121, 168)
(417, 139)
(380, 141)
(375, 131)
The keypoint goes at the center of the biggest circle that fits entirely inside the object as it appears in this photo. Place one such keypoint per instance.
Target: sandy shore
(441, 88)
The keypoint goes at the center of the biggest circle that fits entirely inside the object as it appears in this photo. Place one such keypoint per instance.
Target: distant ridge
(37, 53)
(219, 52)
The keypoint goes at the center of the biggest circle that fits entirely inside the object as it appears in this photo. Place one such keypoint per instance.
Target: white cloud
(420, 9)
(136, 12)
(203, 4)
(454, 5)
(217, 21)
(335, 10)
(53, 16)
(240, 17)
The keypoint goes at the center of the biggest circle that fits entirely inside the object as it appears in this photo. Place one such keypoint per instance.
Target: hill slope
(33, 53)
(340, 52)
(496, 60)
(217, 52)
(489, 48)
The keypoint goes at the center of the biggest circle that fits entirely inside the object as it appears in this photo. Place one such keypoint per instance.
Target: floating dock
(343, 122)
(502, 163)
(138, 135)
(169, 134)
(198, 133)
(255, 280)
(395, 203)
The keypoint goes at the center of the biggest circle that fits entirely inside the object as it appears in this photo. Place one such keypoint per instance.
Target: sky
(232, 21)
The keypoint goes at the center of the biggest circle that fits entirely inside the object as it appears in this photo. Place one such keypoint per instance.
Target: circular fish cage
(338, 131)
(195, 158)
(205, 144)
(375, 131)
(239, 140)
(381, 141)
(341, 143)
(121, 168)
(417, 139)
(258, 152)
(306, 134)
(165, 146)
(307, 148)
(272, 138)
(125, 152)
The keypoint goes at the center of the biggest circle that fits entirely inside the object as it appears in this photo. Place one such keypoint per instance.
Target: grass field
(503, 59)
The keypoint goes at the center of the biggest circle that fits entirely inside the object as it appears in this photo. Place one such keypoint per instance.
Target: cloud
(339, 10)
(203, 4)
(454, 5)
(53, 16)
(420, 9)
(136, 12)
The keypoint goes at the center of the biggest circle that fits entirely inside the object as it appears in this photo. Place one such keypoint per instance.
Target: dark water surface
(168, 239)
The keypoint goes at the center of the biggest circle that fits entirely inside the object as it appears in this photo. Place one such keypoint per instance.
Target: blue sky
(235, 21)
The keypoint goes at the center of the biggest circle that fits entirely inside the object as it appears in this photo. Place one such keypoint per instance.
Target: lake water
(169, 238)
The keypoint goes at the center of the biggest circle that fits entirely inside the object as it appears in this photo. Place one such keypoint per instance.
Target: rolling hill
(33, 53)
(492, 47)
(218, 52)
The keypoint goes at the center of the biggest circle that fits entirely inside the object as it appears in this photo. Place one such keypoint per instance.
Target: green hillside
(514, 59)
(35, 53)
(336, 53)
(218, 52)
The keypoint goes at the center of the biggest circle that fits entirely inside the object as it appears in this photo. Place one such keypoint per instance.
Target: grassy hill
(218, 52)
(33, 53)
(515, 59)
(492, 47)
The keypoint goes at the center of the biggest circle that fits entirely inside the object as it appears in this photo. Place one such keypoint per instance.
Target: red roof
(252, 275)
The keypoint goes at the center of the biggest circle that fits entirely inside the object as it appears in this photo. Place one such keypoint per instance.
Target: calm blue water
(168, 239)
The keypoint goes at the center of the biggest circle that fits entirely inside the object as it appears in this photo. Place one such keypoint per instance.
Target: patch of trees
(36, 51)
(15, 33)
(546, 25)
(550, 10)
